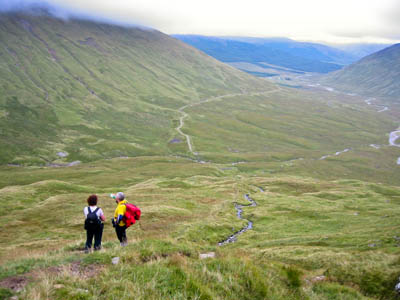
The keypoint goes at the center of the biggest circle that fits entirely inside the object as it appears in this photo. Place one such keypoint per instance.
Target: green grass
(334, 219)
(303, 228)
(116, 95)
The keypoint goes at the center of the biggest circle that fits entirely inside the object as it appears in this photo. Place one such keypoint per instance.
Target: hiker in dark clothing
(94, 218)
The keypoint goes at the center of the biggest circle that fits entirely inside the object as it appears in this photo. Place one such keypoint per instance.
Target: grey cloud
(184, 17)
(391, 16)
(387, 26)
(64, 11)
(22, 5)
(385, 32)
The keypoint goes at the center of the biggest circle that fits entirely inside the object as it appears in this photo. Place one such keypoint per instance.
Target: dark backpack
(92, 221)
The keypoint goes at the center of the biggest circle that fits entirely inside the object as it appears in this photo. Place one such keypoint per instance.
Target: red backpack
(132, 214)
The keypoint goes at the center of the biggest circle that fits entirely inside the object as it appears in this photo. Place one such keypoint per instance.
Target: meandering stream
(381, 108)
(239, 209)
(336, 154)
(393, 137)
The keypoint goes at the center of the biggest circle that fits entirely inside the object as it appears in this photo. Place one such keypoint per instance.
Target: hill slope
(286, 53)
(361, 50)
(95, 90)
(311, 239)
(377, 74)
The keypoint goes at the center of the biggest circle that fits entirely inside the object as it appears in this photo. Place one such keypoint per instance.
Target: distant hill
(361, 50)
(307, 57)
(95, 90)
(377, 74)
(308, 50)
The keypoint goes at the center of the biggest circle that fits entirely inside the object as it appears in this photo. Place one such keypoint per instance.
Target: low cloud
(384, 26)
(379, 34)
(384, 34)
(32, 6)
(329, 21)
(391, 17)
(61, 9)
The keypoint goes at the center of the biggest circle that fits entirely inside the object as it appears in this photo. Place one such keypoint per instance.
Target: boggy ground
(311, 239)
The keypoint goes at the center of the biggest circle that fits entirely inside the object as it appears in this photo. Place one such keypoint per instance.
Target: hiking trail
(211, 99)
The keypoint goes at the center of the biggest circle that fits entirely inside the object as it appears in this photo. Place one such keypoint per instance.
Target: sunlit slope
(96, 90)
(377, 74)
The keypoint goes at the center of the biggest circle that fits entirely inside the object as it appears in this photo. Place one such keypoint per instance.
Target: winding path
(211, 99)
(239, 207)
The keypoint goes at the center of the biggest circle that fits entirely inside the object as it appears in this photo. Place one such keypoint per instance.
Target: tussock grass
(344, 230)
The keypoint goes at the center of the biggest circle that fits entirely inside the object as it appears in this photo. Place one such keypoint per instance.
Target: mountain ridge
(307, 57)
(64, 82)
(374, 75)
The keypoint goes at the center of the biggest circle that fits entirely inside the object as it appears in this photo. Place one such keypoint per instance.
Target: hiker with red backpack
(125, 215)
(94, 218)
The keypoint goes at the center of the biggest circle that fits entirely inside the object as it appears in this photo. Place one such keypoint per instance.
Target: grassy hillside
(376, 74)
(293, 130)
(311, 239)
(186, 138)
(96, 90)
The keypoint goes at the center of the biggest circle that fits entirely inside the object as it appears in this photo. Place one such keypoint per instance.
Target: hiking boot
(123, 244)
(87, 250)
(97, 248)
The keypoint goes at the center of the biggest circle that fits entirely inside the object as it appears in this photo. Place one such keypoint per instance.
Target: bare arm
(102, 217)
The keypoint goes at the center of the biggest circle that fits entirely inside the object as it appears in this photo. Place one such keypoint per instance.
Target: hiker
(94, 218)
(117, 221)
(125, 215)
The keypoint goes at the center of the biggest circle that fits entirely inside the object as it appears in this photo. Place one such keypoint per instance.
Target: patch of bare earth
(14, 283)
(18, 283)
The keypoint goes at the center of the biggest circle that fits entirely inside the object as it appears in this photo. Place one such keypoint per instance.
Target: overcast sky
(340, 21)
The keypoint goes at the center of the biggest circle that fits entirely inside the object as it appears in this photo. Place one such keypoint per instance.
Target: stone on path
(58, 286)
(207, 255)
(318, 278)
(115, 260)
(62, 154)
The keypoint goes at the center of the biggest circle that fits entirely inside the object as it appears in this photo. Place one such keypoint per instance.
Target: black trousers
(121, 233)
(97, 234)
